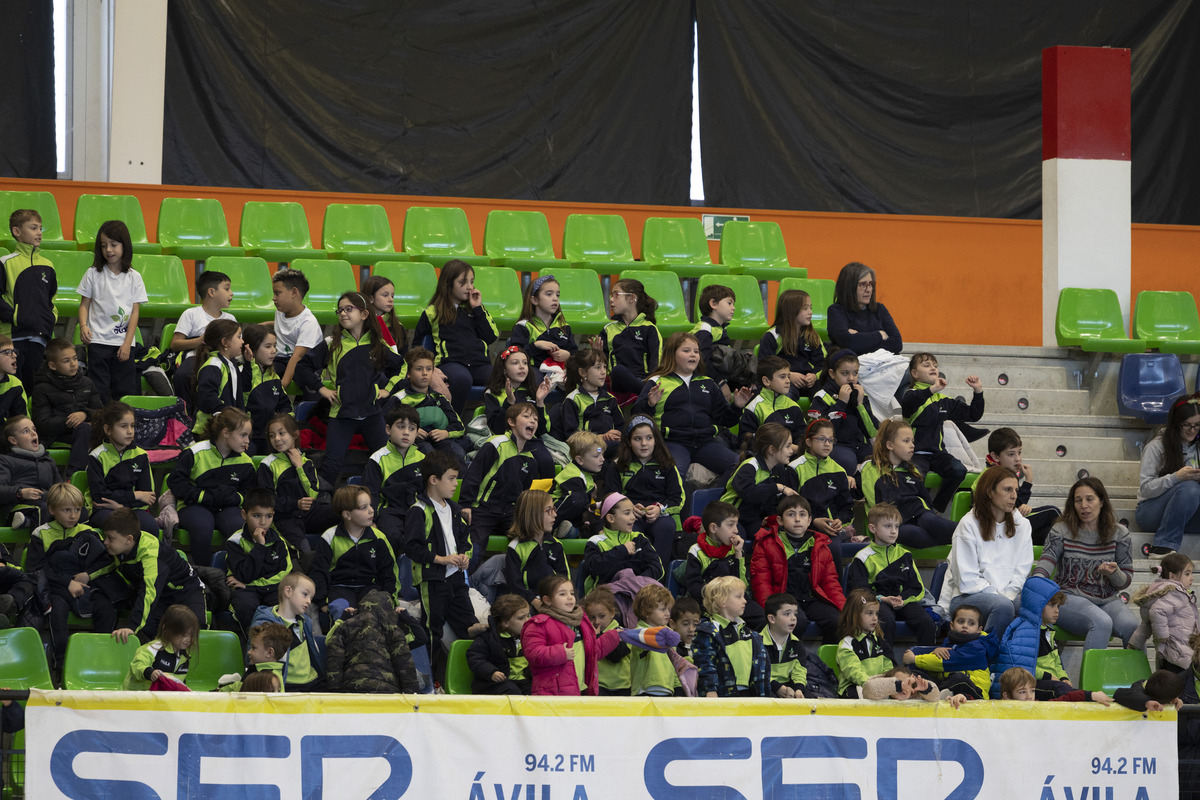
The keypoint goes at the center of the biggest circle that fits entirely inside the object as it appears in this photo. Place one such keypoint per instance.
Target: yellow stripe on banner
(481, 705)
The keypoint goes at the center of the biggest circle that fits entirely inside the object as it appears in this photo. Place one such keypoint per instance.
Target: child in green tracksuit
(615, 668)
(256, 558)
(618, 547)
(575, 489)
(28, 284)
(393, 472)
(167, 656)
(652, 674)
(860, 654)
(784, 650)
(267, 652)
(441, 426)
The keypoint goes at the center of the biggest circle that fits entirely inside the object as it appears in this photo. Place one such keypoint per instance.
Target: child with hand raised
(719, 550)
(461, 329)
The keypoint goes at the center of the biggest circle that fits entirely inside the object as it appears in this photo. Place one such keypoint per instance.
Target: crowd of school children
(598, 440)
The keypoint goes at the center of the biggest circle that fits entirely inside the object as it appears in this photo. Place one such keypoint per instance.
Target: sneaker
(1155, 551)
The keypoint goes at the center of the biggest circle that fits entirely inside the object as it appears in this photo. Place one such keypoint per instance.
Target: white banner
(144, 745)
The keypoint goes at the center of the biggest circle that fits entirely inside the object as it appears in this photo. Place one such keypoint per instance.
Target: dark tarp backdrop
(530, 99)
(929, 108)
(27, 64)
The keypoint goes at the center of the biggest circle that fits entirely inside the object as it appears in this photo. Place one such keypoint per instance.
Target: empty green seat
(599, 242)
(69, 268)
(359, 233)
(327, 281)
(458, 674)
(148, 402)
(678, 244)
(414, 281)
(93, 210)
(1109, 670)
(219, 653)
(828, 655)
(581, 300)
(23, 662)
(167, 290)
(664, 287)
(96, 661)
(43, 203)
(1091, 319)
(750, 320)
(437, 235)
(251, 281)
(1168, 321)
(500, 288)
(277, 232)
(194, 228)
(757, 248)
(520, 240)
(821, 292)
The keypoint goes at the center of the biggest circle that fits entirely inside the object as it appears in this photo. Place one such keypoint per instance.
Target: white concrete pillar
(139, 58)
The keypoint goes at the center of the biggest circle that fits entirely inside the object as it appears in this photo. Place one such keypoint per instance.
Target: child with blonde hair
(729, 655)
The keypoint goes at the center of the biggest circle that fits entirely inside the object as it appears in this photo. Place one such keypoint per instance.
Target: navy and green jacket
(214, 390)
(701, 568)
(719, 643)
(926, 410)
(854, 424)
(574, 494)
(690, 413)
(902, 488)
(497, 475)
(859, 658)
(150, 569)
(766, 407)
(435, 412)
(495, 404)
(351, 373)
(340, 561)
(635, 345)
(290, 485)
(28, 284)
(60, 554)
(424, 538)
(754, 491)
(528, 331)
(527, 563)
(787, 662)
(582, 412)
(202, 476)
(605, 555)
(394, 480)
(709, 333)
(13, 399)
(463, 341)
(807, 360)
(973, 655)
(116, 474)
(257, 564)
(826, 487)
(264, 397)
(647, 484)
(155, 656)
(886, 571)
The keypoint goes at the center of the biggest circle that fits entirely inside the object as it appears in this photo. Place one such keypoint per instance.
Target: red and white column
(1086, 185)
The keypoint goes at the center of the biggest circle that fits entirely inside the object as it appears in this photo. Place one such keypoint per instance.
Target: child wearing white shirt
(111, 295)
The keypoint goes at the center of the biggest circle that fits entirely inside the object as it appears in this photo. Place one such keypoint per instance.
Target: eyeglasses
(627, 294)
(8, 351)
(1186, 426)
(866, 284)
(823, 440)
(349, 310)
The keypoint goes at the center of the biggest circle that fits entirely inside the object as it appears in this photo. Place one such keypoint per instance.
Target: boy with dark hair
(393, 472)
(785, 651)
(773, 404)
(303, 664)
(441, 427)
(575, 487)
(296, 328)
(215, 293)
(257, 557)
(437, 541)
(1004, 450)
(143, 573)
(719, 551)
(685, 616)
(1160, 691)
(353, 557)
(63, 399)
(926, 410)
(717, 308)
(964, 660)
(28, 284)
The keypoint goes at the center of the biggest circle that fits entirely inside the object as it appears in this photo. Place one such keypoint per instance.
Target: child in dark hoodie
(26, 474)
(62, 401)
(496, 659)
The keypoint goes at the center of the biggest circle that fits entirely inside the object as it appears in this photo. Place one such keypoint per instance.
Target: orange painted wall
(945, 279)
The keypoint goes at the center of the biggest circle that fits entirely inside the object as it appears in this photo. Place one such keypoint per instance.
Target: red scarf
(711, 550)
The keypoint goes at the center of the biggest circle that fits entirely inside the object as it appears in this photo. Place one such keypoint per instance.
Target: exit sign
(715, 223)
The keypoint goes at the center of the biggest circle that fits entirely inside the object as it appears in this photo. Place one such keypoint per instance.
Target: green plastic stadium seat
(96, 661)
(828, 655)
(359, 233)
(69, 267)
(501, 290)
(1091, 319)
(599, 242)
(750, 320)
(194, 228)
(664, 287)
(1168, 321)
(960, 506)
(1109, 670)
(251, 280)
(458, 674)
(93, 210)
(437, 235)
(327, 281)
(678, 244)
(821, 292)
(23, 660)
(148, 402)
(520, 240)
(277, 232)
(166, 286)
(414, 281)
(757, 248)
(45, 204)
(219, 653)
(581, 300)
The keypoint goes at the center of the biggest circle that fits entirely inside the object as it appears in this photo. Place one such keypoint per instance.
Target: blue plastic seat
(1148, 383)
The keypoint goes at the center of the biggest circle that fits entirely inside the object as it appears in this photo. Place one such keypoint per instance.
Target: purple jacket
(1170, 612)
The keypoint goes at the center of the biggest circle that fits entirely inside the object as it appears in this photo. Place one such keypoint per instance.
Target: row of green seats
(1092, 320)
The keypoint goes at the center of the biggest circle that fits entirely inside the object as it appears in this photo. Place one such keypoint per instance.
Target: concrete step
(1065, 402)
(1082, 448)
(1011, 375)
(1064, 472)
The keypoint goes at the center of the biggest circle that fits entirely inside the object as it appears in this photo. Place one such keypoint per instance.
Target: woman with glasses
(1168, 501)
(858, 322)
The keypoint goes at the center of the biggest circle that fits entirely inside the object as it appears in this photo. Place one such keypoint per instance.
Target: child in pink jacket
(1169, 611)
(563, 649)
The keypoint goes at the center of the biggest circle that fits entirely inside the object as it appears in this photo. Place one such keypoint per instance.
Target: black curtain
(929, 108)
(531, 99)
(27, 64)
